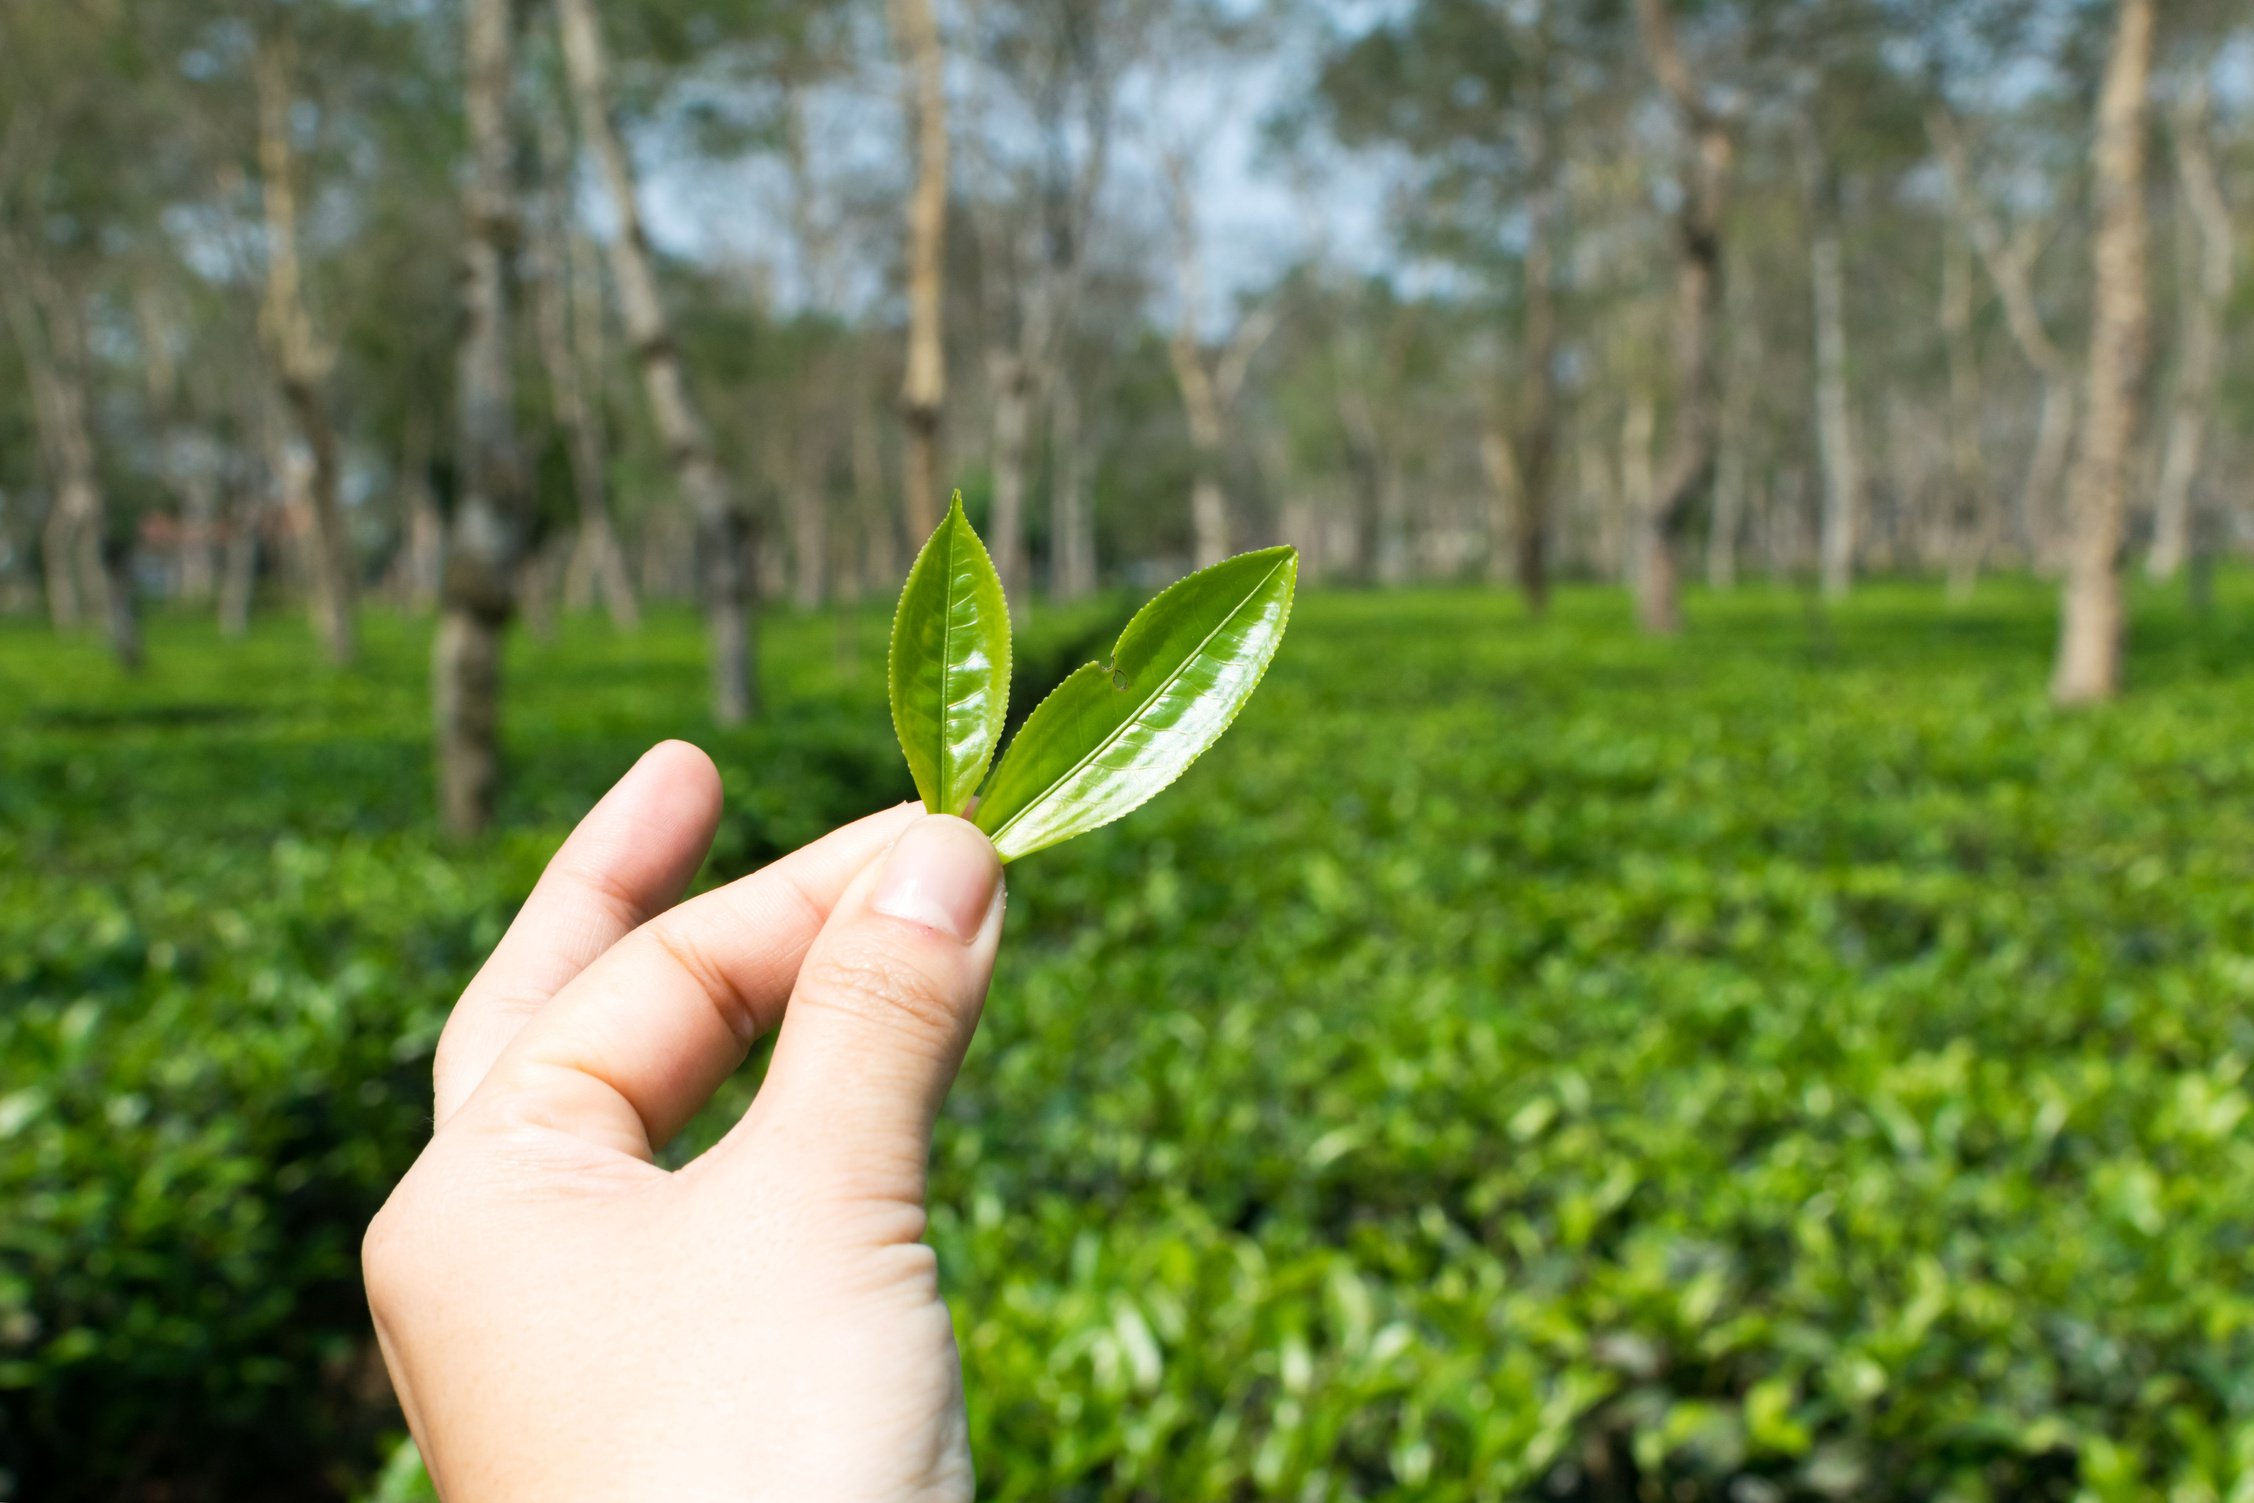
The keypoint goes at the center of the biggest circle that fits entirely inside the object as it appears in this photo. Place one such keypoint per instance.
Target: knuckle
(873, 985)
(448, 1059)
(730, 1003)
(386, 1256)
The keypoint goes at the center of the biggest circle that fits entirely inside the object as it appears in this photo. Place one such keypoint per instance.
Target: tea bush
(1791, 1063)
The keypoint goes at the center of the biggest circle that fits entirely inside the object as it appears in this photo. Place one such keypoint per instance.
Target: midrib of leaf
(946, 672)
(1121, 729)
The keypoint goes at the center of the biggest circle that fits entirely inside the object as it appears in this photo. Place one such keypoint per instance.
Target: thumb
(884, 1007)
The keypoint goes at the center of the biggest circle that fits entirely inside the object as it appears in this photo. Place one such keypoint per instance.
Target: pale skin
(565, 1320)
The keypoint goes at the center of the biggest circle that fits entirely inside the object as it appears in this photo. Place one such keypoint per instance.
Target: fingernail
(942, 873)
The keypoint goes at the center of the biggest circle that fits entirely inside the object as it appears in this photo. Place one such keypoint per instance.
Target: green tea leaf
(950, 667)
(1113, 735)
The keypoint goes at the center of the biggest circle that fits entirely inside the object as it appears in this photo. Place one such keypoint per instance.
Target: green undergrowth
(1520, 1061)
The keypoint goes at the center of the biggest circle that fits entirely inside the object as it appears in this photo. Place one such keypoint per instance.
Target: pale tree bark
(1638, 483)
(1015, 319)
(1835, 417)
(486, 536)
(1506, 499)
(1380, 533)
(2091, 628)
(1208, 386)
(1014, 312)
(923, 389)
(1533, 426)
(301, 360)
(2009, 262)
(1072, 534)
(184, 455)
(238, 572)
(87, 572)
(724, 543)
(418, 569)
(562, 309)
(1707, 152)
(804, 460)
(880, 559)
(1009, 380)
(2204, 281)
(1971, 516)
(1732, 469)
(1068, 201)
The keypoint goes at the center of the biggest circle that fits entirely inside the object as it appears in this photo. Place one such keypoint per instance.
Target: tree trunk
(1072, 540)
(2009, 265)
(804, 451)
(563, 311)
(2204, 290)
(238, 577)
(1506, 498)
(1068, 199)
(1637, 486)
(724, 542)
(1835, 421)
(486, 534)
(923, 390)
(809, 539)
(1201, 397)
(1378, 554)
(1732, 478)
(2091, 626)
(1704, 179)
(422, 552)
(1008, 376)
(199, 529)
(2041, 517)
(880, 571)
(301, 361)
(87, 572)
(1970, 521)
(1535, 431)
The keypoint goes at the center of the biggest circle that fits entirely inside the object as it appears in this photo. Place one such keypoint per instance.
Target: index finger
(628, 1051)
(627, 860)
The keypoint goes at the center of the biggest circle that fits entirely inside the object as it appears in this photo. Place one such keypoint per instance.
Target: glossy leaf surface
(950, 664)
(1113, 735)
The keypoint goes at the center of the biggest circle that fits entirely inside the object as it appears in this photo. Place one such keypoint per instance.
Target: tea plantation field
(1521, 1061)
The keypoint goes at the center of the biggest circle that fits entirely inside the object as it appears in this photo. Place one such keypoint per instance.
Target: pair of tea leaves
(1112, 735)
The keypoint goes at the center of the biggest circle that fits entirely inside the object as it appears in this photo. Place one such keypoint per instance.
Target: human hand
(565, 1320)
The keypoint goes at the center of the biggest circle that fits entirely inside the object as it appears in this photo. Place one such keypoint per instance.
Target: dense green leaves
(1114, 734)
(1786, 1064)
(950, 664)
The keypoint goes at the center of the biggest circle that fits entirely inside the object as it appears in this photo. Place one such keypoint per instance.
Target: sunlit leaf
(950, 667)
(1114, 734)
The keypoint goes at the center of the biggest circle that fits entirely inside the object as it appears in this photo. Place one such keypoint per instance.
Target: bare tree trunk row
(1535, 431)
(301, 361)
(2091, 628)
(1708, 150)
(726, 544)
(486, 536)
(568, 318)
(1971, 512)
(1835, 419)
(88, 572)
(2010, 266)
(2205, 280)
(923, 389)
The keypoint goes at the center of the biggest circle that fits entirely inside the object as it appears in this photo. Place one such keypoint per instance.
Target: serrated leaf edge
(1290, 556)
(955, 512)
